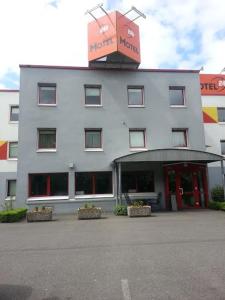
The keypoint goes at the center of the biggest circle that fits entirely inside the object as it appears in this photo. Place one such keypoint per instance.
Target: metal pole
(223, 178)
(119, 182)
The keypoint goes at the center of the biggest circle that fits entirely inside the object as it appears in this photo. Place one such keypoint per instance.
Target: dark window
(137, 138)
(14, 113)
(179, 137)
(11, 190)
(176, 95)
(138, 182)
(13, 148)
(93, 95)
(46, 138)
(47, 94)
(93, 138)
(93, 183)
(55, 184)
(221, 114)
(222, 143)
(135, 96)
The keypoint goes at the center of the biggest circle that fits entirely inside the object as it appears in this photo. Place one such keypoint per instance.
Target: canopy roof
(171, 155)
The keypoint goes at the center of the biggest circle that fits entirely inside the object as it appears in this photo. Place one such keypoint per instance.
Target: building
(94, 134)
(9, 107)
(213, 102)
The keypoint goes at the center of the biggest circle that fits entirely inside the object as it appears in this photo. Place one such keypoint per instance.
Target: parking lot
(167, 256)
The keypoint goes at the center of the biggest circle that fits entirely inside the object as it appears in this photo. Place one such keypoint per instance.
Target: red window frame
(143, 130)
(142, 94)
(93, 181)
(93, 130)
(48, 184)
(185, 131)
(44, 85)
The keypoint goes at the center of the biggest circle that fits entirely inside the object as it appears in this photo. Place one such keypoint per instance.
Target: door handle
(181, 191)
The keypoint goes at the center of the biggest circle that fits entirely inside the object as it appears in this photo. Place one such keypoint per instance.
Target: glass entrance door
(188, 183)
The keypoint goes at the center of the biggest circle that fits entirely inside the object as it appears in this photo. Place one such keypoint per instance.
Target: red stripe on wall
(207, 118)
(3, 151)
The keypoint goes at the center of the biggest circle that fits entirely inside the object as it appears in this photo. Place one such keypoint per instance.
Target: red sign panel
(212, 84)
(113, 33)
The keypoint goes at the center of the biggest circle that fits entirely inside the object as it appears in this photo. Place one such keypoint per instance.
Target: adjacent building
(9, 108)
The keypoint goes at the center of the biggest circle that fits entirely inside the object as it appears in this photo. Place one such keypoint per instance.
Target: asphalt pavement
(167, 256)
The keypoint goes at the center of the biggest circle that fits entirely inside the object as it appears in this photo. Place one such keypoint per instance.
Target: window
(46, 138)
(93, 138)
(179, 137)
(14, 113)
(221, 114)
(176, 95)
(11, 188)
(222, 143)
(55, 184)
(93, 95)
(93, 183)
(137, 138)
(13, 149)
(138, 182)
(47, 94)
(135, 96)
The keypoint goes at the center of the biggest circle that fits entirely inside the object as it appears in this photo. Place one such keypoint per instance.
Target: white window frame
(46, 84)
(8, 150)
(94, 86)
(186, 131)
(143, 130)
(46, 149)
(135, 87)
(10, 109)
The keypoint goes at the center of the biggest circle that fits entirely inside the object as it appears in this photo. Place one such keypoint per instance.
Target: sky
(175, 34)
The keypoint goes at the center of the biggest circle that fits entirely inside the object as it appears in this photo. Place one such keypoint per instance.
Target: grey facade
(70, 117)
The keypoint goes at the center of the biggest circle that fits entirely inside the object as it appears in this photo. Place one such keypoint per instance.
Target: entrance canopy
(171, 155)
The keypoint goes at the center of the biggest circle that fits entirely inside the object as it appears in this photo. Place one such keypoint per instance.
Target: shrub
(89, 205)
(120, 210)
(14, 215)
(138, 203)
(217, 193)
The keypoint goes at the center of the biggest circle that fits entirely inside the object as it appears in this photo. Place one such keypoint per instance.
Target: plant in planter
(89, 211)
(138, 209)
(40, 214)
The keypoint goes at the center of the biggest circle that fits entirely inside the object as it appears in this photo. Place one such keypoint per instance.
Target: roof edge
(9, 90)
(105, 69)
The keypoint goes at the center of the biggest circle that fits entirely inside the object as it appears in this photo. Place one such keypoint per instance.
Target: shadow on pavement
(14, 292)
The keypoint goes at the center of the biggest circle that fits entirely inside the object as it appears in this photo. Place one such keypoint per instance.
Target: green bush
(120, 210)
(217, 193)
(216, 205)
(14, 215)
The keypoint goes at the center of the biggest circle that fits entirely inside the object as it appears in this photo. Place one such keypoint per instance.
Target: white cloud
(36, 32)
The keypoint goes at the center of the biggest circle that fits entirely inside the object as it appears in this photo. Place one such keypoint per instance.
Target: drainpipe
(71, 181)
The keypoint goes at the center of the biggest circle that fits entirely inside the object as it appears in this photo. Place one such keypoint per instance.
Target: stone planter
(40, 215)
(89, 213)
(139, 211)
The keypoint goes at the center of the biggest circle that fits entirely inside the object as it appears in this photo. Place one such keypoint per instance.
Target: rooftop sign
(113, 34)
(212, 84)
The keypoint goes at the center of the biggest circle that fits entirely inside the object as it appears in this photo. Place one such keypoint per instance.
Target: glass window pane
(38, 185)
(93, 95)
(11, 188)
(103, 183)
(135, 96)
(13, 149)
(59, 184)
(129, 182)
(83, 185)
(145, 182)
(176, 96)
(138, 182)
(93, 139)
(14, 113)
(137, 139)
(47, 94)
(222, 143)
(179, 138)
(221, 114)
(47, 138)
